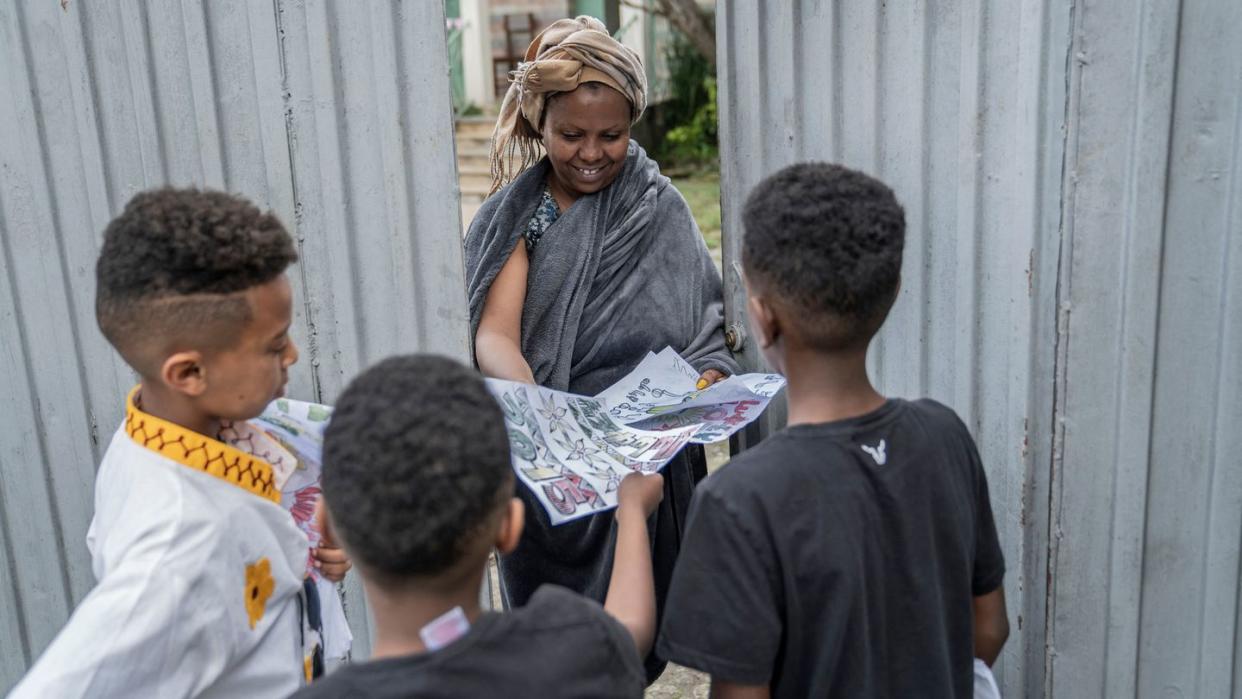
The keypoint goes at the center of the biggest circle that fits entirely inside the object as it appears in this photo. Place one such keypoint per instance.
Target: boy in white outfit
(202, 574)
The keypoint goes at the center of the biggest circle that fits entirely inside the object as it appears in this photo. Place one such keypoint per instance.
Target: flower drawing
(259, 587)
(580, 450)
(609, 476)
(554, 414)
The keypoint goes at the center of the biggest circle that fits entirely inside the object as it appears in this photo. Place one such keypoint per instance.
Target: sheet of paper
(572, 451)
(298, 426)
(661, 394)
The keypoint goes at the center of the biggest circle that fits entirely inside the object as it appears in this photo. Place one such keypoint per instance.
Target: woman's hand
(709, 377)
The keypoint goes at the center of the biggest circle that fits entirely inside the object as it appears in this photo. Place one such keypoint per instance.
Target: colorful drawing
(553, 413)
(591, 415)
(572, 451)
(570, 492)
(298, 427)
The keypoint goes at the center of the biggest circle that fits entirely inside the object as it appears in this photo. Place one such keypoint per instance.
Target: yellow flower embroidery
(259, 586)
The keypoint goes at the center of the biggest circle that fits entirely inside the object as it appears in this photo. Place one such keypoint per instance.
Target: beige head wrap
(565, 55)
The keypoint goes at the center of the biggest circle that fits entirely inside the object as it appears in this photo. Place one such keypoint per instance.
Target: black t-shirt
(559, 645)
(840, 560)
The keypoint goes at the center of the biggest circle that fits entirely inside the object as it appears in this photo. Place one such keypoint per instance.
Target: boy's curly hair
(826, 241)
(172, 265)
(415, 463)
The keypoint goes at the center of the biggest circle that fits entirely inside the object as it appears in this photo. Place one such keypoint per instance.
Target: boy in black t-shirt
(417, 485)
(852, 554)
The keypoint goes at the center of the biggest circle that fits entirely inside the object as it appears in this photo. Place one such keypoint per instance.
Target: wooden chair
(520, 30)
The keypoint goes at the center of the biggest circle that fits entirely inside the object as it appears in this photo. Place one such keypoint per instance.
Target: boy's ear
(763, 321)
(185, 372)
(512, 520)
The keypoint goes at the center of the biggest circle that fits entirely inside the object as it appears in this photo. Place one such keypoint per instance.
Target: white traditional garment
(200, 574)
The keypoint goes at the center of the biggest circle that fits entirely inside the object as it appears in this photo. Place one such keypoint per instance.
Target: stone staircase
(473, 168)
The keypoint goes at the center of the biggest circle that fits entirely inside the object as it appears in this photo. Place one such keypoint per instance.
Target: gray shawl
(621, 272)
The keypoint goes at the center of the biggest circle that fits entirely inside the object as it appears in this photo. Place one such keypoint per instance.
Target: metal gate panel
(336, 116)
(958, 107)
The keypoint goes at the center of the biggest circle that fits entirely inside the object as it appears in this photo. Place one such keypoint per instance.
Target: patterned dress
(546, 214)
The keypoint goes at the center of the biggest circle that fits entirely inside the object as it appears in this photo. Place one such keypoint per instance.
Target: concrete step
(474, 177)
(476, 126)
(474, 168)
(473, 161)
(471, 147)
(474, 183)
(468, 210)
(467, 133)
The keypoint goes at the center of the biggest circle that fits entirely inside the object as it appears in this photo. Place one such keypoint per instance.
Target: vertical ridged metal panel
(1071, 176)
(335, 115)
(958, 107)
(1147, 490)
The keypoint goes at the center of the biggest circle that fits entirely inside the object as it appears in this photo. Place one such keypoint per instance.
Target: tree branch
(641, 5)
(685, 15)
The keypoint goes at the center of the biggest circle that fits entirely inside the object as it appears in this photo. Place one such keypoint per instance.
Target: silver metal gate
(1071, 177)
(335, 115)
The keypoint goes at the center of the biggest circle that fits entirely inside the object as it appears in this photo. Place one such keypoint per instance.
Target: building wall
(318, 111)
(1070, 175)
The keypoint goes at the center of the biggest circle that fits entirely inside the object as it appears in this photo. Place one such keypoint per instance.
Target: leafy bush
(696, 142)
(690, 114)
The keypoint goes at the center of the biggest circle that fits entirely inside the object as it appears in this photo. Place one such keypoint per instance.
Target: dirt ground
(679, 682)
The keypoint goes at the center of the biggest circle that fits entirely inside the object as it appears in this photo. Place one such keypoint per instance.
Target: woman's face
(586, 133)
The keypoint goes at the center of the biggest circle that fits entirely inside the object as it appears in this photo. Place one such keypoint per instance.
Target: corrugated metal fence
(337, 116)
(1072, 176)
(1070, 172)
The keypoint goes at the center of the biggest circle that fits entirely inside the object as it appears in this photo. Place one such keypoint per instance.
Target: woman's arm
(498, 341)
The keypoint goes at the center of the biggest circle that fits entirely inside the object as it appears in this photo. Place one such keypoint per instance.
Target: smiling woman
(580, 263)
(586, 134)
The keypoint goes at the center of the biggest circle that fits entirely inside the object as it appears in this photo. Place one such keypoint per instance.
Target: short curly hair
(172, 266)
(826, 241)
(415, 463)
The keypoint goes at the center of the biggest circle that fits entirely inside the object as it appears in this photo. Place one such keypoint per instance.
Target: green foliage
(696, 142)
(468, 109)
(702, 193)
(690, 114)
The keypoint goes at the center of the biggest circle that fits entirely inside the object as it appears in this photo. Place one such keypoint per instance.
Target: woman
(577, 266)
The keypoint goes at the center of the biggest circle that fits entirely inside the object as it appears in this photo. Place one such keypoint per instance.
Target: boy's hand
(331, 560)
(709, 377)
(642, 491)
